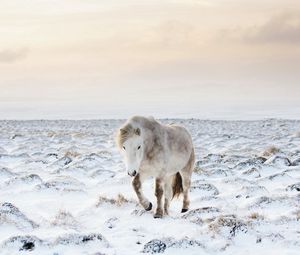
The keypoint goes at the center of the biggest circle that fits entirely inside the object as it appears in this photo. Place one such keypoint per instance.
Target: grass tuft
(118, 201)
(269, 151)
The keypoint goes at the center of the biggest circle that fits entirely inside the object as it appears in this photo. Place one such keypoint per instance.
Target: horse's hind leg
(168, 194)
(186, 174)
(137, 185)
(186, 183)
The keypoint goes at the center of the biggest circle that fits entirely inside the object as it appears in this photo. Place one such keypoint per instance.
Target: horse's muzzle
(132, 174)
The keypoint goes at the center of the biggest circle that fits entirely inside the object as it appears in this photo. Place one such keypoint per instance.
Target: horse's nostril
(133, 173)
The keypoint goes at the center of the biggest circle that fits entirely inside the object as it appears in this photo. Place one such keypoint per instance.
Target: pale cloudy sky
(167, 58)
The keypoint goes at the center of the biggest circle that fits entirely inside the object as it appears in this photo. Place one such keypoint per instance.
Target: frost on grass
(138, 212)
(245, 191)
(62, 183)
(23, 243)
(252, 162)
(278, 160)
(65, 219)
(103, 174)
(252, 172)
(160, 245)
(154, 246)
(205, 189)
(29, 243)
(26, 179)
(280, 205)
(10, 214)
(228, 225)
(63, 161)
(296, 162)
(5, 172)
(248, 191)
(111, 222)
(294, 187)
(202, 214)
(210, 171)
(79, 239)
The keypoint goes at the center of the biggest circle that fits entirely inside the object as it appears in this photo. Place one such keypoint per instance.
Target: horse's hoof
(184, 210)
(149, 207)
(157, 216)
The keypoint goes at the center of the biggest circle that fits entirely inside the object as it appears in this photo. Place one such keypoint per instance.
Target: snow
(64, 190)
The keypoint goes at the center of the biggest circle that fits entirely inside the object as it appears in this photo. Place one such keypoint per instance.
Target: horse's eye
(124, 148)
(139, 147)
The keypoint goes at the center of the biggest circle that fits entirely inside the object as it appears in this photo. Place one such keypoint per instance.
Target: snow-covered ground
(64, 190)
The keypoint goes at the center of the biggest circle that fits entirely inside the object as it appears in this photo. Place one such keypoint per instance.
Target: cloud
(11, 56)
(283, 28)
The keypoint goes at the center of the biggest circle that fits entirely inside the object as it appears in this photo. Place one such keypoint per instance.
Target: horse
(165, 152)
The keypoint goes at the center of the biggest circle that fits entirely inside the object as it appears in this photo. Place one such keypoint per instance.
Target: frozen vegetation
(64, 190)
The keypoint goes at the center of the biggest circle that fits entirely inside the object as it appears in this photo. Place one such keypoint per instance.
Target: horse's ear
(137, 131)
(123, 131)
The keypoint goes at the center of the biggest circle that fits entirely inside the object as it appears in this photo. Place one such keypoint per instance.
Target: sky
(215, 59)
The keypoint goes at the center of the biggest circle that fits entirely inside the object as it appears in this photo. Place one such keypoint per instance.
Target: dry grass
(256, 216)
(214, 228)
(220, 222)
(198, 170)
(64, 218)
(225, 247)
(271, 150)
(209, 220)
(227, 221)
(118, 201)
(51, 134)
(72, 154)
(77, 134)
(80, 134)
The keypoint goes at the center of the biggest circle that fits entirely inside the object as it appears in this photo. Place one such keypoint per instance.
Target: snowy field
(64, 190)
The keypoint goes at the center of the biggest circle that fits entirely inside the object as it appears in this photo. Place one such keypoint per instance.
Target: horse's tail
(177, 185)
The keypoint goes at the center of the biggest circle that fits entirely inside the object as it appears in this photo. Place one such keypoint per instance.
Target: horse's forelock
(124, 133)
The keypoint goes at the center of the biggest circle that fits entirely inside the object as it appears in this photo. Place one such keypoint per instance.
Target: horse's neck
(152, 137)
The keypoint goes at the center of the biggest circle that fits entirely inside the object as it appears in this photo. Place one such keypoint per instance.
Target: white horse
(164, 152)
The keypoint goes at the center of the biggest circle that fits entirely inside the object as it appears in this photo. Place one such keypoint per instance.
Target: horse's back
(178, 134)
(179, 146)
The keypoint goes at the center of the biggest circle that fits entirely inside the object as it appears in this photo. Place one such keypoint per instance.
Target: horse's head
(131, 142)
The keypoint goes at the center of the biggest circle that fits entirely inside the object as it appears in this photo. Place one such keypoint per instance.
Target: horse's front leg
(159, 191)
(137, 185)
